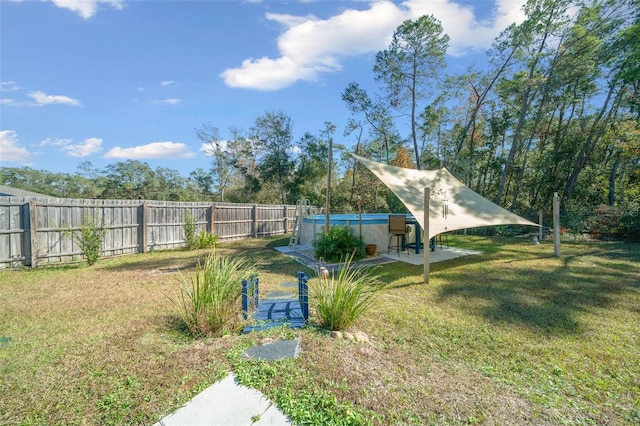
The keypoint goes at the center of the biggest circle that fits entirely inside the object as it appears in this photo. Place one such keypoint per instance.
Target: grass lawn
(511, 336)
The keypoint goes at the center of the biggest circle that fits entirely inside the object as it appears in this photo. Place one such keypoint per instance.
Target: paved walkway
(407, 256)
(227, 403)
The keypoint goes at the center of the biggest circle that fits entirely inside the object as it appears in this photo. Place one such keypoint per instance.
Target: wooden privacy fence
(35, 231)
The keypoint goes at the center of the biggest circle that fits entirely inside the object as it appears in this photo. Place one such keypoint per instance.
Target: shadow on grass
(544, 298)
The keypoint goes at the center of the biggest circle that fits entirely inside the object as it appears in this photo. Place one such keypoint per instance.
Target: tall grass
(341, 299)
(208, 302)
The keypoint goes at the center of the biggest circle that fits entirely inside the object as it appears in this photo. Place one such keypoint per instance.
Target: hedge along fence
(35, 231)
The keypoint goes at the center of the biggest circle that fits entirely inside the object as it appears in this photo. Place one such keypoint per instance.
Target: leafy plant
(206, 240)
(339, 243)
(91, 238)
(340, 300)
(203, 240)
(190, 232)
(209, 301)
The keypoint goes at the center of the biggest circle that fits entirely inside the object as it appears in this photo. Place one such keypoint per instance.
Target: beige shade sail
(452, 204)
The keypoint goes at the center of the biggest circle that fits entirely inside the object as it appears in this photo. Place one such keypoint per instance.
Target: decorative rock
(336, 334)
(360, 337)
(348, 335)
(365, 351)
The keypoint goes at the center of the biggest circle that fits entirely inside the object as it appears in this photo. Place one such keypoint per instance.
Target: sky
(108, 81)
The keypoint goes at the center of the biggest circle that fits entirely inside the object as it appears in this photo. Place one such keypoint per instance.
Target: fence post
(286, 220)
(303, 294)
(33, 237)
(255, 221)
(143, 226)
(212, 216)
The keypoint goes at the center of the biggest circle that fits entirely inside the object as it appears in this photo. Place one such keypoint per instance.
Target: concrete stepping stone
(274, 351)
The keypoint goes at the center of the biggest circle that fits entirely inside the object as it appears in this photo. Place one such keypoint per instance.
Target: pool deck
(408, 256)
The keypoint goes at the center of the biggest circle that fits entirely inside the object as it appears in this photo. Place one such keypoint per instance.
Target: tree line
(556, 108)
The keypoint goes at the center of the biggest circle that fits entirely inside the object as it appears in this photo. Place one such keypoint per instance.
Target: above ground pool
(374, 226)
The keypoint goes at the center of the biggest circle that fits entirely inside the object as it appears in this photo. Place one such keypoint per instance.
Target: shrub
(206, 240)
(190, 232)
(209, 302)
(338, 244)
(340, 300)
(91, 239)
(605, 222)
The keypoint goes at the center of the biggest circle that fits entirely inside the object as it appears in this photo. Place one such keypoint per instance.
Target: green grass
(511, 336)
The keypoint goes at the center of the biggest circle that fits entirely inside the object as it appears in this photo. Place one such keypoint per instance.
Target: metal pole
(556, 224)
(427, 195)
(328, 197)
(541, 229)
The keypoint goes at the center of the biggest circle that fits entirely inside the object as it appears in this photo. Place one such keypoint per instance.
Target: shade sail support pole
(427, 249)
(556, 224)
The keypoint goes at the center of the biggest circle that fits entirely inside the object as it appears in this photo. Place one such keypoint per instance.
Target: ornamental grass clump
(209, 302)
(343, 297)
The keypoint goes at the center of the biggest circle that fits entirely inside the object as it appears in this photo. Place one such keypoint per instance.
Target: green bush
(209, 302)
(91, 238)
(203, 240)
(190, 232)
(206, 240)
(340, 300)
(339, 244)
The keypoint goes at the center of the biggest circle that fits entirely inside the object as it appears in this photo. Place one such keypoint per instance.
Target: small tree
(91, 238)
(190, 231)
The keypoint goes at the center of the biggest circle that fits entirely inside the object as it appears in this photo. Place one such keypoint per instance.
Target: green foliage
(576, 219)
(338, 244)
(209, 301)
(340, 300)
(307, 406)
(206, 240)
(203, 240)
(190, 232)
(91, 239)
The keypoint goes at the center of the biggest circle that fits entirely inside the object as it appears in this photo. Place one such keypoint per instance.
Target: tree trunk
(597, 129)
(612, 181)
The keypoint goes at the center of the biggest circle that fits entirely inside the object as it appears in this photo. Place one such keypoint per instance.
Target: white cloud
(167, 101)
(8, 86)
(55, 142)
(85, 148)
(168, 82)
(10, 102)
(42, 99)
(152, 150)
(10, 151)
(87, 8)
(310, 46)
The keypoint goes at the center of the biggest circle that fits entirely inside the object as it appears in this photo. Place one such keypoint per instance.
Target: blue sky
(109, 80)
